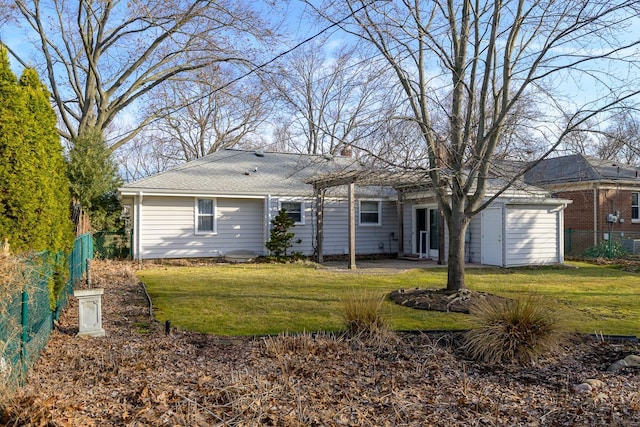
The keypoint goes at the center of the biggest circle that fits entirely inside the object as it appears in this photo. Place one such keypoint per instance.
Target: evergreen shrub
(34, 188)
(281, 239)
(613, 250)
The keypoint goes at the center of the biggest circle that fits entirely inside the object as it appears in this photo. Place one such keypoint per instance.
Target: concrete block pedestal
(90, 312)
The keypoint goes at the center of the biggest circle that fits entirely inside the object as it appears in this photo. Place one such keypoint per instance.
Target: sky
(292, 17)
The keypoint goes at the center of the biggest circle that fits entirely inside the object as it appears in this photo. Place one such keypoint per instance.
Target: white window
(295, 211)
(205, 216)
(635, 208)
(370, 212)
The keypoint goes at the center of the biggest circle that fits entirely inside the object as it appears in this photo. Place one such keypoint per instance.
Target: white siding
(164, 228)
(407, 227)
(336, 228)
(303, 232)
(369, 239)
(240, 225)
(377, 239)
(531, 233)
(168, 229)
(532, 236)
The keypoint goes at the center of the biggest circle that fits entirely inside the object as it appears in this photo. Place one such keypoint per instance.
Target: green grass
(257, 299)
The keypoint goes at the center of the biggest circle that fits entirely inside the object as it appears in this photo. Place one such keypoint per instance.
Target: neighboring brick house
(605, 195)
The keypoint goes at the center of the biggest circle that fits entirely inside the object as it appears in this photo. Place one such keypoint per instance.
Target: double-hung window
(205, 216)
(295, 211)
(370, 212)
(635, 208)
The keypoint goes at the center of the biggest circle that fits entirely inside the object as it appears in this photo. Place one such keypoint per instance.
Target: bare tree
(102, 57)
(488, 55)
(616, 137)
(583, 139)
(621, 139)
(204, 115)
(139, 159)
(327, 98)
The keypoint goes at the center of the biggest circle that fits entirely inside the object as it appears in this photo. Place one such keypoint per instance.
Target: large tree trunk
(457, 225)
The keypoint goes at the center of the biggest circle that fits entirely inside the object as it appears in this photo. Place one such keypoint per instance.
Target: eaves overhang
(133, 191)
(629, 185)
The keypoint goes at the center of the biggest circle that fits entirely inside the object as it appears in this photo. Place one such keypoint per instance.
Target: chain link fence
(112, 244)
(603, 243)
(26, 314)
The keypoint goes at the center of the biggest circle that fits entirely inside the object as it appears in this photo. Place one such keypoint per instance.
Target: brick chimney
(346, 151)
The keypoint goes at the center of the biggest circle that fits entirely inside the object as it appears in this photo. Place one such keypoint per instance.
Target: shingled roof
(580, 168)
(248, 173)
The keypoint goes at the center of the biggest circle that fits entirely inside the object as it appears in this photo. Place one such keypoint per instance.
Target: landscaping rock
(240, 256)
(594, 383)
(600, 397)
(631, 361)
(582, 388)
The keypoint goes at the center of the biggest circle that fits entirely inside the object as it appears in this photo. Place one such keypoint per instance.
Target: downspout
(352, 226)
(267, 221)
(561, 234)
(319, 225)
(441, 252)
(400, 213)
(138, 227)
(595, 216)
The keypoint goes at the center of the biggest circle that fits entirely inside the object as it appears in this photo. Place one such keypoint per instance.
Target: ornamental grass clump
(364, 319)
(512, 331)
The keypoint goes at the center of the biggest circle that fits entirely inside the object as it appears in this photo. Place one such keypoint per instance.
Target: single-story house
(605, 197)
(224, 202)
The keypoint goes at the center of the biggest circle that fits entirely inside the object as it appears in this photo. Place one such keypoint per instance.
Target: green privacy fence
(579, 242)
(26, 315)
(82, 251)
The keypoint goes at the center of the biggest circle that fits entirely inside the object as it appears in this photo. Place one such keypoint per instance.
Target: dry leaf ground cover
(138, 376)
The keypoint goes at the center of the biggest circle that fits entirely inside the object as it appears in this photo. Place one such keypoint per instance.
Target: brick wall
(579, 214)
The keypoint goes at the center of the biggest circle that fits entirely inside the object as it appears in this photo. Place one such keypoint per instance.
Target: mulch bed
(139, 376)
(440, 299)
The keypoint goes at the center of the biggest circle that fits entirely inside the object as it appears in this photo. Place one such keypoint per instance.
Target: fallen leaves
(141, 376)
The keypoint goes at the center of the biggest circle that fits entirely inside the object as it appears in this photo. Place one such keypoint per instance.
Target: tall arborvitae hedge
(34, 188)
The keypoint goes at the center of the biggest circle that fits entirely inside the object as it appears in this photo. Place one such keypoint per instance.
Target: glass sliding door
(426, 232)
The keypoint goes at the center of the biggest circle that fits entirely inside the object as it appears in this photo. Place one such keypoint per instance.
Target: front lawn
(257, 299)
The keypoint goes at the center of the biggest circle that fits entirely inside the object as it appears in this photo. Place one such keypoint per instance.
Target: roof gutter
(561, 203)
(189, 193)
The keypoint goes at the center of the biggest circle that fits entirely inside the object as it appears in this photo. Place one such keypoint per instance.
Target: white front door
(491, 237)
